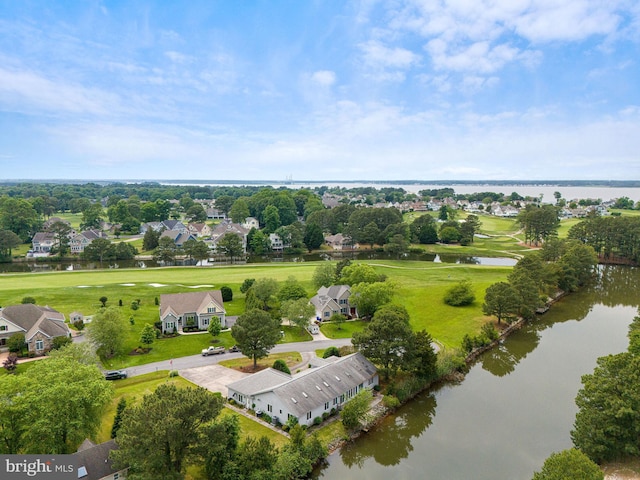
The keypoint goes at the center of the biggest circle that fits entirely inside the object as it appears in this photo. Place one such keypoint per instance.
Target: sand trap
(83, 286)
(200, 286)
(158, 285)
(128, 284)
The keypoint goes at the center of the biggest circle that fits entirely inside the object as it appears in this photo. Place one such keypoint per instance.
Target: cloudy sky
(320, 90)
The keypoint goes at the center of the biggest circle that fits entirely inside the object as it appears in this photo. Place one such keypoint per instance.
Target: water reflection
(397, 431)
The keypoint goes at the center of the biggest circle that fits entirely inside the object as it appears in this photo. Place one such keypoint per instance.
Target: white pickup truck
(212, 351)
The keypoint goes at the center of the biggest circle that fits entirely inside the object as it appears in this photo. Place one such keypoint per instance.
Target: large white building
(307, 395)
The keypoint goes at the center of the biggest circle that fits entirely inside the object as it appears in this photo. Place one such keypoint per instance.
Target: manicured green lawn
(346, 330)
(291, 358)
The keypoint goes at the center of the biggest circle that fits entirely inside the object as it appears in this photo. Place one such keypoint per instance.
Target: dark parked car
(234, 349)
(115, 374)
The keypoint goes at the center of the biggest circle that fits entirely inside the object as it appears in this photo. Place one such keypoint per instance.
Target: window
(269, 408)
(3, 328)
(205, 322)
(116, 476)
(326, 406)
(39, 345)
(211, 310)
(327, 314)
(170, 326)
(308, 415)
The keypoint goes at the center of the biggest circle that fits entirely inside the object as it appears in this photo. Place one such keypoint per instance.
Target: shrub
(325, 415)
(281, 365)
(79, 325)
(490, 331)
(390, 402)
(59, 342)
(450, 361)
(11, 363)
(266, 417)
(174, 373)
(227, 293)
(460, 294)
(29, 300)
(346, 350)
(331, 352)
(134, 305)
(317, 421)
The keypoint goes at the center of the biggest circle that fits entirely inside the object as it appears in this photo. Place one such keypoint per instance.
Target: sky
(320, 90)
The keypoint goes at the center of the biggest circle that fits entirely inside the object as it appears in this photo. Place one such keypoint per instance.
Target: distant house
(43, 242)
(40, 325)
(309, 394)
(251, 222)
(191, 309)
(225, 227)
(277, 245)
(93, 461)
(339, 242)
(164, 225)
(179, 237)
(80, 241)
(331, 300)
(215, 214)
(199, 230)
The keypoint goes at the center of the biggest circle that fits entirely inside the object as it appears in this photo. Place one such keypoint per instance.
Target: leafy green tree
(66, 399)
(501, 301)
(255, 459)
(103, 301)
(539, 222)
(218, 445)
(258, 242)
(108, 331)
(368, 297)
(422, 358)
(150, 240)
(262, 294)
(18, 216)
(569, 464)
(239, 211)
(97, 250)
(92, 216)
(148, 335)
(12, 413)
(60, 231)
(281, 365)
(230, 245)
(28, 299)
(449, 235)
(338, 319)
(271, 219)
(196, 213)
(397, 245)
(607, 425)
(469, 227)
(227, 293)
(172, 420)
(8, 241)
(196, 249)
(255, 333)
(313, 237)
(298, 457)
(117, 421)
(16, 343)
(214, 327)
(355, 410)
(299, 312)
(460, 294)
(324, 275)
(247, 284)
(166, 250)
(370, 234)
(291, 289)
(359, 273)
(385, 340)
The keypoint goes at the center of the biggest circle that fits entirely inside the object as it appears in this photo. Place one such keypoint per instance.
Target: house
(80, 241)
(192, 309)
(251, 222)
(331, 300)
(199, 230)
(43, 242)
(277, 245)
(308, 394)
(215, 214)
(75, 317)
(225, 227)
(339, 242)
(93, 462)
(179, 237)
(40, 325)
(164, 225)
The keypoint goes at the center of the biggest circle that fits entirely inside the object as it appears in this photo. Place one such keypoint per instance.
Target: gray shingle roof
(32, 318)
(188, 302)
(95, 459)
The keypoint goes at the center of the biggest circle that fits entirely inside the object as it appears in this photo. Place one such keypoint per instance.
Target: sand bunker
(158, 285)
(128, 284)
(200, 286)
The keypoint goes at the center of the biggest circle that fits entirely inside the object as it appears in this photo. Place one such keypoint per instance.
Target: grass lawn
(346, 330)
(294, 334)
(291, 358)
(331, 432)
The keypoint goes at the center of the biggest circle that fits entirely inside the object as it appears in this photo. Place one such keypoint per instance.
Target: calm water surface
(514, 408)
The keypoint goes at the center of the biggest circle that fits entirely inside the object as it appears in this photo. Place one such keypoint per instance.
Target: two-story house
(191, 309)
(331, 300)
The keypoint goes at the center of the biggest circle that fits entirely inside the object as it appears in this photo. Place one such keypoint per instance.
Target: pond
(515, 406)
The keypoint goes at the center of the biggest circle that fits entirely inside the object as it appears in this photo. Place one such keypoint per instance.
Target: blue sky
(320, 90)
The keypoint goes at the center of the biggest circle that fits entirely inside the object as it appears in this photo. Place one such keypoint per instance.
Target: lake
(515, 406)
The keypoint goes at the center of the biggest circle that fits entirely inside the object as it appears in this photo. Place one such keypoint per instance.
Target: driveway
(214, 378)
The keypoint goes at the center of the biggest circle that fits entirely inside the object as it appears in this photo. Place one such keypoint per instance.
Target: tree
(423, 230)
(247, 284)
(196, 249)
(324, 275)
(569, 464)
(356, 409)
(117, 421)
(18, 216)
(422, 359)
(12, 413)
(166, 250)
(368, 297)
(271, 219)
(214, 327)
(92, 216)
(108, 331)
(397, 245)
(331, 352)
(607, 425)
(218, 445)
(8, 241)
(359, 273)
(386, 340)
(281, 365)
(338, 319)
(227, 293)
(230, 245)
(66, 399)
(239, 211)
(172, 420)
(291, 289)
(460, 294)
(262, 294)
(97, 250)
(313, 237)
(370, 234)
(16, 343)
(150, 240)
(258, 242)
(501, 300)
(196, 213)
(255, 333)
(103, 300)
(148, 335)
(449, 235)
(299, 312)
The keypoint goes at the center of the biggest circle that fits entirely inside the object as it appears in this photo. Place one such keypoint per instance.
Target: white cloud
(177, 57)
(325, 78)
(380, 56)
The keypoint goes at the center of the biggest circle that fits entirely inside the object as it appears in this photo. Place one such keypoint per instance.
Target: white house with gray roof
(191, 309)
(308, 394)
(331, 300)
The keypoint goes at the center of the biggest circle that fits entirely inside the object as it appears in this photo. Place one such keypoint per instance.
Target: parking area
(214, 378)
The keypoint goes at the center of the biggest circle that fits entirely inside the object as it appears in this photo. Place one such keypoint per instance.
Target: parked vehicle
(234, 349)
(212, 351)
(115, 374)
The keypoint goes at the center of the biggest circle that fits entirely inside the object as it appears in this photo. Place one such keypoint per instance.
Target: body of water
(515, 406)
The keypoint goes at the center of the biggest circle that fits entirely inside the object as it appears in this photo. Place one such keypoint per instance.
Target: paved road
(193, 361)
